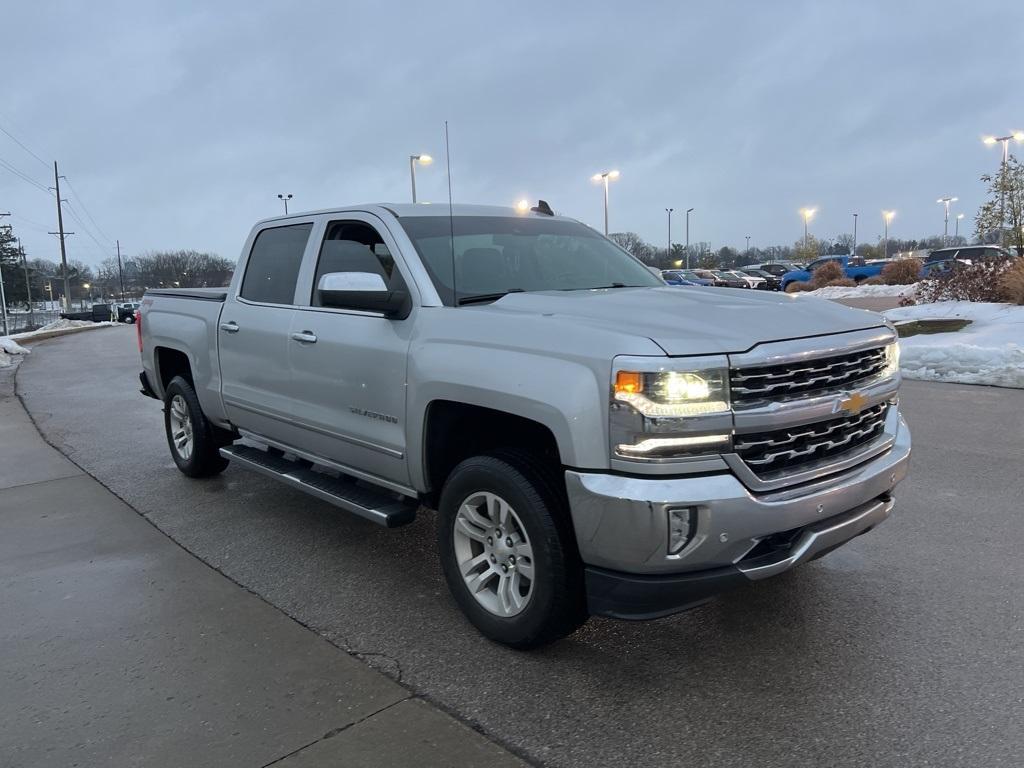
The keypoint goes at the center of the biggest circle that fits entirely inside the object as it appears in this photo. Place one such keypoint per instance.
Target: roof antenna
(451, 216)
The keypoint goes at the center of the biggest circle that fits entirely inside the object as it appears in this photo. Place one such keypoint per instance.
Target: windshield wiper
(482, 297)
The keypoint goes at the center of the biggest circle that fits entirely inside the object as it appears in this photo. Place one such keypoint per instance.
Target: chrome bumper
(621, 522)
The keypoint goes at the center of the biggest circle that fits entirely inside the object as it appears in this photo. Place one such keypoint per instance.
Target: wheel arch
(454, 431)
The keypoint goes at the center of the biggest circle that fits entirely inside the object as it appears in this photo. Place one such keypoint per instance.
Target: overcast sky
(177, 124)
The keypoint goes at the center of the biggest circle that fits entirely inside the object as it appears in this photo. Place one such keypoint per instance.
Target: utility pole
(120, 272)
(62, 234)
(28, 284)
(3, 297)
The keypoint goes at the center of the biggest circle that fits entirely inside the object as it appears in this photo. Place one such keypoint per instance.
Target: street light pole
(956, 225)
(422, 160)
(807, 213)
(285, 199)
(605, 177)
(669, 212)
(688, 212)
(748, 245)
(1017, 136)
(886, 218)
(945, 226)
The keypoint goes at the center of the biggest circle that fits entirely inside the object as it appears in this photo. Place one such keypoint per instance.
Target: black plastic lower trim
(146, 389)
(635, 597)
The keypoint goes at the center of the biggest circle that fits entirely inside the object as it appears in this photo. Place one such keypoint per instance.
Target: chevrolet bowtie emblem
(854, 404)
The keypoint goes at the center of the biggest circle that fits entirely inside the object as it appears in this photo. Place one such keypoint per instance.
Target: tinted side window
(274, 262)
(354, 246)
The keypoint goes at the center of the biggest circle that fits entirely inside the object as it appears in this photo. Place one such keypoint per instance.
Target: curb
(43, 335)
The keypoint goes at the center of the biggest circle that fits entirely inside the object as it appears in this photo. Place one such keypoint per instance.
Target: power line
(23, 176)
(81, 203)
(74, 214)
(14, 138)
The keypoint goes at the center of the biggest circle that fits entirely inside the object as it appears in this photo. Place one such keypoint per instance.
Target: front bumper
(740, 536)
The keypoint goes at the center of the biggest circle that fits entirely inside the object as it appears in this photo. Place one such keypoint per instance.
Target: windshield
(495, 255)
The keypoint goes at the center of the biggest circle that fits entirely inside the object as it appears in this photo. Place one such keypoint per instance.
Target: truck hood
(692, 321)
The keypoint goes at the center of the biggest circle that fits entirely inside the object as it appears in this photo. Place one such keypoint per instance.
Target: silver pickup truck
(594, 441)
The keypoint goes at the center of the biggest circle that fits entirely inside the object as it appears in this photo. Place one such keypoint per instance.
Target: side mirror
(364, 291)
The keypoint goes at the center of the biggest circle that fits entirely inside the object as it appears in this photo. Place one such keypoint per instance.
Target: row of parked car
(764, 277)
(937, 263)
(776, 276)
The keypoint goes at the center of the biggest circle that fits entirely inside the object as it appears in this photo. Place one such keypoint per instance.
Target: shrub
(902, 272)
(826, 273)
(876, 280)
(980, 281)
(842, 282)
(799, 285)
(1012, 282)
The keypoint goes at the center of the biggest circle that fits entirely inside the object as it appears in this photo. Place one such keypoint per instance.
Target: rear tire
(193, 440)
(508, 551)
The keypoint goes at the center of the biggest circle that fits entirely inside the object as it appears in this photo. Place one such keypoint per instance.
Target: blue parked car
(854, 268)
(683, 277)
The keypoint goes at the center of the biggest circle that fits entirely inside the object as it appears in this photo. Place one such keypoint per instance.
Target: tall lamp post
(605, 177)
(945, 225)
(748, 245)
(688, 212)
(669, 212)
(807, 213)
(886, 218)
(422, 160)
(284, 199)
(853, 250)
(956, 225)
(990, 140)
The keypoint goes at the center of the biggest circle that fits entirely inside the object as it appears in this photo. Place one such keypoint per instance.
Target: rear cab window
(272, 269)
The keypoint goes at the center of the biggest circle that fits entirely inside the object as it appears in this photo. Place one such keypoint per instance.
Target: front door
(348, 367)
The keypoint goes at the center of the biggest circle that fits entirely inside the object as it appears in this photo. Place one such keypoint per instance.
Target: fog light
(681, 523)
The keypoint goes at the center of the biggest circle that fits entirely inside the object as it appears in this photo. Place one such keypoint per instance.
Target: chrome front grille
(774, 382)
(767, 453)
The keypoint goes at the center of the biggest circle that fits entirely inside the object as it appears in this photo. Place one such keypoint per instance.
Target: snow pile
(8, 347)
(61, 325)
(988, 351)
(861, 291)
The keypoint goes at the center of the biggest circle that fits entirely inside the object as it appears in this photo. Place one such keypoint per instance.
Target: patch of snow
(860, 291)
(60, 325)
(988, 351)
(11, 347)
(8, 348)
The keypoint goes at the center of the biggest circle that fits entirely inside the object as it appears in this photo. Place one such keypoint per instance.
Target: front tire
(508, 551)
(193, 440)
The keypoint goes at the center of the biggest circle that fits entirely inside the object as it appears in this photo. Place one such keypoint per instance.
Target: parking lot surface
(902, 648)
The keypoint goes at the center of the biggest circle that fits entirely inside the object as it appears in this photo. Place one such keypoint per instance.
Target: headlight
(664, 409)
(892, 359)
(674, 393)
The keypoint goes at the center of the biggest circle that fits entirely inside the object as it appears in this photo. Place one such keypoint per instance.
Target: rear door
(253, 332)
(348, 367)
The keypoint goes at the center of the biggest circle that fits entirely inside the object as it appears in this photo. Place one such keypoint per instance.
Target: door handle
(229, 327)
(305, 337)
